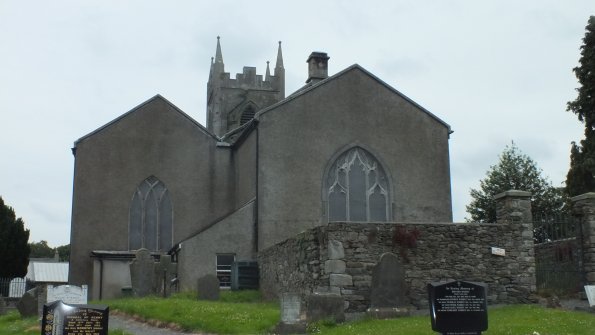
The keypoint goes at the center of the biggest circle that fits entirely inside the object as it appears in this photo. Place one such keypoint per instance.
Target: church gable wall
(297, 140)
(245, 169)
(153, 140)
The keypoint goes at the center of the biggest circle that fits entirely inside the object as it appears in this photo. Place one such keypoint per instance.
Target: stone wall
(339, 258)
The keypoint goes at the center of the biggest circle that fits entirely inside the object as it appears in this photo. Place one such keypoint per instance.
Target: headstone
(63, 319)
(142, 273)
(325, 306)
(388, 289)
(208, 288)
(68, 294)
(590, 291)
(28, 305)
(458, 307)
(165, 272)
(291, 315)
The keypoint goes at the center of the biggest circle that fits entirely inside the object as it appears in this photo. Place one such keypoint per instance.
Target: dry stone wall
(339, 258)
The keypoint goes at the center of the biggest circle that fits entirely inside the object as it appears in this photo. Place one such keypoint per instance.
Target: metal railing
(13, 287)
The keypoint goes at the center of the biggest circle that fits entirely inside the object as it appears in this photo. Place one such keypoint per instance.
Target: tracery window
(357, 188)
(151, 217)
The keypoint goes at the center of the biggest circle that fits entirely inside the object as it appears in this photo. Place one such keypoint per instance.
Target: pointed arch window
(151, 217)
(357, 188)
(247, 114)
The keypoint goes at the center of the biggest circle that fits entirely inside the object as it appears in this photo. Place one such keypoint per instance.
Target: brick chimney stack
(317, 67)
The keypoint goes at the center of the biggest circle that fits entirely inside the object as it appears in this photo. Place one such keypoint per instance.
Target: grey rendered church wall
(245, 169)
(153, 139)
(233, 235)
(116, 274)
(298, 138)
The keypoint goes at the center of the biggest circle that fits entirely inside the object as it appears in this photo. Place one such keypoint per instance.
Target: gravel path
(140, 328)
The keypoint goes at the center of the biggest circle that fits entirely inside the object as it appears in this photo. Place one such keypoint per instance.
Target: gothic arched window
(357, 188)
(151, 217)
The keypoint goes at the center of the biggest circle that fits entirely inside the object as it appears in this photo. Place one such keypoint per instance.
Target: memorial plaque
(458, 307)
(63, 319)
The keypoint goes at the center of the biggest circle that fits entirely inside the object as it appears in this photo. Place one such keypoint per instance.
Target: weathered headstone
(68, 294)
(142, 273)
(28, 305)
(325, 306)
(458, 307)
(63, 319)
(388, 289)
(590, 291)
(165, 272)
(208, 288)
(291, 315)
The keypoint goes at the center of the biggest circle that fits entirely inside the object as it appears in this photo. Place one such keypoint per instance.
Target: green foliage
(14, 250)
(581, 176)
(515, 171)
(41, 249)
(64, 252)
(206, 316)
(250, 296)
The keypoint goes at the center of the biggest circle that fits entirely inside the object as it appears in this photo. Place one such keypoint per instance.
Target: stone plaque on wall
(458, 307)
(62, 319)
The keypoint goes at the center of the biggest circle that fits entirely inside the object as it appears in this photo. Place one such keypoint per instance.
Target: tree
(14, 251)
(64, 252)
(41, 249)
(515, 171)
(581, 175)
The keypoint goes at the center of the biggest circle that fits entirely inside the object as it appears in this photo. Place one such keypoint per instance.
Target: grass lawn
(509, 320)
(235, 313)
(244, 313)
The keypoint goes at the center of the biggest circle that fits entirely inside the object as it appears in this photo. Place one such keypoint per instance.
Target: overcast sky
(496, 71)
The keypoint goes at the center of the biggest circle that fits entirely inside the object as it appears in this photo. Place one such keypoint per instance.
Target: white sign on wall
(498, 251)
(69, 294)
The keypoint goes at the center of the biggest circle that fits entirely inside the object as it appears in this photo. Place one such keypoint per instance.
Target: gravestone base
(388, 312)
(290, 328)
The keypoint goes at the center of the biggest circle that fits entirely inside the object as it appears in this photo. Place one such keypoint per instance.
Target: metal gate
(558, 254)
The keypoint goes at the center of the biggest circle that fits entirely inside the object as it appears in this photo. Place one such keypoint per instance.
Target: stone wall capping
(584, 196)
(512, 193)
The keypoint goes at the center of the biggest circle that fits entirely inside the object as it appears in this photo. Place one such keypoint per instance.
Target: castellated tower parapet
(233, 102)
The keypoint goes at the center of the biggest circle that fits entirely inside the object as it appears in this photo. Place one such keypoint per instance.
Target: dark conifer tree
(14, 250)
(581, 176)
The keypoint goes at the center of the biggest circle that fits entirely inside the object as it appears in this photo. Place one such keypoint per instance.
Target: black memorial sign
(61, 318)
(458, 307)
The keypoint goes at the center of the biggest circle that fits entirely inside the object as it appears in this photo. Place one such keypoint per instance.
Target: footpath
(135, 327)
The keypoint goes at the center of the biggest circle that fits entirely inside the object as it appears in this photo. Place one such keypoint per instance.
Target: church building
(267, 166)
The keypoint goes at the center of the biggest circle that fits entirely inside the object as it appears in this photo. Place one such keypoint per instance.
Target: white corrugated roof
(47, 272)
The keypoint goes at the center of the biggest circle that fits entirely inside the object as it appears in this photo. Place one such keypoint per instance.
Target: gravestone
(165, 273)
(208, 288)
(325, 306)
(2, 306)
(590, 291)
(28, 305)
(63, 319)
(458, 307)
(142, 273)
(68, 294)
(291, 315)
(388, 289)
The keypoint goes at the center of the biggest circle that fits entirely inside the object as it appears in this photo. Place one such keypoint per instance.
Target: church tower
(233, 102)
